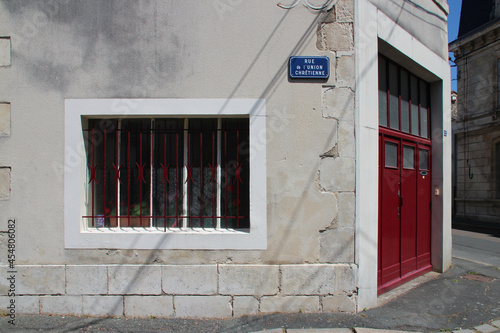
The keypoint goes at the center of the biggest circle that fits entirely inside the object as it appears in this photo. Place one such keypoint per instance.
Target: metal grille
(168, 173)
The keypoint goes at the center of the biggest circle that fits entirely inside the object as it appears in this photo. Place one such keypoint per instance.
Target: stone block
(337, 245)
(5, 58)
(253, 280)
(61, 305)
(346, 279)
(330, 16)
(4, 119)
(339, 303)
(134, 279)
(86, 279)
(485, 328)
(289, 304)
(4, 183)
(149, 306)
(335, 36)
(496, 323)
(245, 306)
(338, 103)
(347, 209)
(345, 10)
(25, 305)
(3, 249)
(189, 279)
(337, 174)
(101, 306)
(319, 330)
(4, 303)
(28, 305)
(203, 306)
(316, 279)
(374, 330)
(346, 140)
(4, 283)
(41, 279)
(346, 75)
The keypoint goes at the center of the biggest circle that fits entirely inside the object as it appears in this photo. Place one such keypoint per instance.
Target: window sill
(160, 231)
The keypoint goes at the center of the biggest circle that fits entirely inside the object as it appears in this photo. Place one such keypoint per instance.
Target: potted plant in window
(135, 216)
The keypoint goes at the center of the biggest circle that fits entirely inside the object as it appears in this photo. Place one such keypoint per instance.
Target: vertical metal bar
(219, 172)
(177, 178)
(189, 176)
(128, 176)
(151, 171)
(184, 175)
(165, 182)
(93, 181)
(140, 177)
(214, 180)
(238, 174)
(225, 178)
(104, 185)
(201, 178)
(118, 157)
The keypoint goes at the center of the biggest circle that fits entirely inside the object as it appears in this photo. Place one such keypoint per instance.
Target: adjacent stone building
(477, 126)
(158, 158)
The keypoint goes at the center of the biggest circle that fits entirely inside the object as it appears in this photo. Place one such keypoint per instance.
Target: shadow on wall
(105, 16)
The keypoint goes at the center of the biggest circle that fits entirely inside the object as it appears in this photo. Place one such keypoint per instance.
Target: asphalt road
(477, 247)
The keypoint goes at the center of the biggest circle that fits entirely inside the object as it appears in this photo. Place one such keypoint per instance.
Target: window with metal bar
(167, 173)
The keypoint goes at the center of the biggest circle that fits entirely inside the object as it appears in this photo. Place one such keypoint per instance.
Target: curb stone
(492, 327)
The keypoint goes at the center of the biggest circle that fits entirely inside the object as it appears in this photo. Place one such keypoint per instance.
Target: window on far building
(497, 169)
(498, 83)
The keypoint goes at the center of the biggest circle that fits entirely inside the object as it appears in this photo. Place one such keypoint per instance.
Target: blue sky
(453, 21)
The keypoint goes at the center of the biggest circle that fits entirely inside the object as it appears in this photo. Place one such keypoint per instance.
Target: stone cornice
(472, 42)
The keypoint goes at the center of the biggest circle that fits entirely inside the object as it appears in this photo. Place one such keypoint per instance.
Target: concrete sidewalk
(465, 297)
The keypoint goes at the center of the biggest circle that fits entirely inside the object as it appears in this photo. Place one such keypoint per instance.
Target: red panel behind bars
(157, 168)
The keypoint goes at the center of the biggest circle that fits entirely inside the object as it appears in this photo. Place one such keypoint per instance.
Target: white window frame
(75, 176)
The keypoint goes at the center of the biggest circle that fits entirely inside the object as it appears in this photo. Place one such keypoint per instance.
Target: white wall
(376, 32)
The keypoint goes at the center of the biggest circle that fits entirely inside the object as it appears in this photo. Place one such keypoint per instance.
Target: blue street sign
(309, 67)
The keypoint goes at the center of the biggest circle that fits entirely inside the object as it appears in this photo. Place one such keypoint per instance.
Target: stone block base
(230, 291)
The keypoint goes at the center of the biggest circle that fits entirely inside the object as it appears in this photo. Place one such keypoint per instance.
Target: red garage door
(404, 177)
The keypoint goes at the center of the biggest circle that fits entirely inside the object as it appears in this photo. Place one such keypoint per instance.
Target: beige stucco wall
(426, 20)
(187, 50)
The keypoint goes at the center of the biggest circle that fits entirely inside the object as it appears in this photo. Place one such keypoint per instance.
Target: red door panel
(390, 228)
(424, 208)
(409, 209)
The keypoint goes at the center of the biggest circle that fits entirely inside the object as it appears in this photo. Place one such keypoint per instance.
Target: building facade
(161, 159)
(476, 127)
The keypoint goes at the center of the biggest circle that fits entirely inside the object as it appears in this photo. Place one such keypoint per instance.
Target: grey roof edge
(473, 34)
